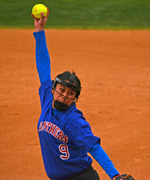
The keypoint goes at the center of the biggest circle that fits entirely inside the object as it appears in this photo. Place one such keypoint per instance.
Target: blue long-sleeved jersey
(65, 136)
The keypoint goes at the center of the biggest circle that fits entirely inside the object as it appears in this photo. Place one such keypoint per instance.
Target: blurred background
(85, 14)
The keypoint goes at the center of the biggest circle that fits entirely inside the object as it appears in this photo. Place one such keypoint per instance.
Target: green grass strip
(79, 14)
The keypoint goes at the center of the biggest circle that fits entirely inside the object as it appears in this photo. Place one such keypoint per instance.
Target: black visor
(70, 85)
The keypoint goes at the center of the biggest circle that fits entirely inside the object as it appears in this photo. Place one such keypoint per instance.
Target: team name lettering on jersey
(53, 130)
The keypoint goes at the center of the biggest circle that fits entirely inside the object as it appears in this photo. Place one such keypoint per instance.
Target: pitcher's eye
(70, 93)
(62, 89)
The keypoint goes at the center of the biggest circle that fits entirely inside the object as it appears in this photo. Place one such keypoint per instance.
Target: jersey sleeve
(42, 56)
(102, 158)
(81, 134)
(46, 94)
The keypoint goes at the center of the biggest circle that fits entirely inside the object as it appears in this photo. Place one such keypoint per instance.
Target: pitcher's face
(63, 94)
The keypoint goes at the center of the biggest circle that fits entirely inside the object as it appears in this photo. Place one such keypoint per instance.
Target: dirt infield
(114, 68)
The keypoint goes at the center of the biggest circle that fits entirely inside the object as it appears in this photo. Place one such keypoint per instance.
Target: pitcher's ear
(52, 91)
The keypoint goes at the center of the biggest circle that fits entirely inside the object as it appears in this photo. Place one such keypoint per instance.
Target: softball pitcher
(65, 135)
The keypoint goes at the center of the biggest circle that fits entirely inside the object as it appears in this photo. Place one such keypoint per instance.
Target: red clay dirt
(114, 68)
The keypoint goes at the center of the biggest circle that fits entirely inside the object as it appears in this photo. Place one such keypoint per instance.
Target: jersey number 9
(64, 150)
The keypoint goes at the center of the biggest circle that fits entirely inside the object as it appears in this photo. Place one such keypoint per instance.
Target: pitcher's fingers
(47, 12)
(34, 17)
(42, 15)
